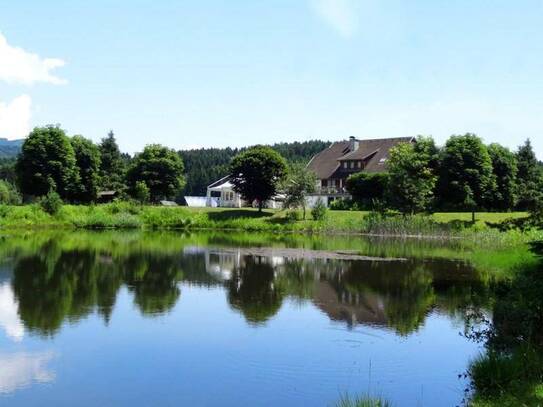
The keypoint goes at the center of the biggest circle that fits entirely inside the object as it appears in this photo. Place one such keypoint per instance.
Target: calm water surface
(150, 319)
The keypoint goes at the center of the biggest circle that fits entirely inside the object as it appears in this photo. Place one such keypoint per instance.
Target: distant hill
(206, 165)
(10, 148)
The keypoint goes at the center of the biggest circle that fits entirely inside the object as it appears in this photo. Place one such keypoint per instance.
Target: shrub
(9, 194)
(51, 203)
(388, 223)
(100, 219)
(495, 374)
(319, 211)
(367, 187)
(119, 206)
(343, 205)
(141, 192)
(362, 401)
(169, 218)
(293, 216)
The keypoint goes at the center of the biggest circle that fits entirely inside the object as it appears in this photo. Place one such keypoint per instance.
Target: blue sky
(233, 73)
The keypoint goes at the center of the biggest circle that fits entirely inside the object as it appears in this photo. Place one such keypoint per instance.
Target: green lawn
(347, 216)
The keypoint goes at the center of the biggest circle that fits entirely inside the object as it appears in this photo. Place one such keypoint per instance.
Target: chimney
(353, 144)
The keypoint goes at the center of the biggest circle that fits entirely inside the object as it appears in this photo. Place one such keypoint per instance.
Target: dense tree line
(206, 165)
(463, 175)
(76, 169)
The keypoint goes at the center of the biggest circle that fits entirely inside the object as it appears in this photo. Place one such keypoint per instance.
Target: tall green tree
(47, 163)
(112, 164)
(160, 168)
(504, 168)
(412, 181)
(529, 178)
(256, 174)
(299, 183)
(87, 156)
(466, 180)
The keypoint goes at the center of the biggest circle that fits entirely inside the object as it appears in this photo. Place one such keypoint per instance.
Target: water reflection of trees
(54, 283)
(252, 290)
(52, 286)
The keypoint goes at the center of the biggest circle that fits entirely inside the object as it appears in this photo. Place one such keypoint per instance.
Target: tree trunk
(473, 217)
(260, 204)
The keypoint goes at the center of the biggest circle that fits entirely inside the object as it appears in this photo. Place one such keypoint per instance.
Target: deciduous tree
(47, 163)
(465, 173)
(299, 183)
(256, 174)
(412, 181)
(160, 168)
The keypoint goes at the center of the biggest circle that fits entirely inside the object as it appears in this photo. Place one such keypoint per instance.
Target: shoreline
(130, 216)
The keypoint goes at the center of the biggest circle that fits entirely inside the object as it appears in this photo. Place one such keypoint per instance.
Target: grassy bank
(123, 215)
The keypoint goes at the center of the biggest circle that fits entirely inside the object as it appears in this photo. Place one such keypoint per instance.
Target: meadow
(126, 215)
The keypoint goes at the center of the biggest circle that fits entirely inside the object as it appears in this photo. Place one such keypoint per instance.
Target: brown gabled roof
(374, 152)
(326, 162)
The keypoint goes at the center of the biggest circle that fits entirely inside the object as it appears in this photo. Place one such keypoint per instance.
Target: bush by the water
(293, 216)
(510, 373)
(51, 203)
(9, 194)
(319, 210)
(362, 401)
(344, 205)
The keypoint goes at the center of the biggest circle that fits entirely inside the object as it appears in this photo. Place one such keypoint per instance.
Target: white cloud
(20, 370)
(339, 14)
(9, 316)
(18, 66)
(15, 117)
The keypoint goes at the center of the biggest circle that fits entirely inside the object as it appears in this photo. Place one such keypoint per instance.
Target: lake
(226, 319)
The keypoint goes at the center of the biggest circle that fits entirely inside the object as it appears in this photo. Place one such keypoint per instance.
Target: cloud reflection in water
(19, 370)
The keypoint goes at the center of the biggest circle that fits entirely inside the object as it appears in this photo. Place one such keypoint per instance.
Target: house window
(359, 164)
(345, 164)
(352, 164)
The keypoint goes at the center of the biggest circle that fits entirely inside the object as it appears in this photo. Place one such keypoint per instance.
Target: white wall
(200, 201)
(311, 200)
